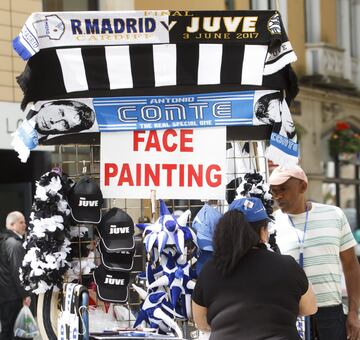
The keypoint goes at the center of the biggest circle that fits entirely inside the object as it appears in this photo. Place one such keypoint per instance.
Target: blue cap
(251, 207)
(204, 223)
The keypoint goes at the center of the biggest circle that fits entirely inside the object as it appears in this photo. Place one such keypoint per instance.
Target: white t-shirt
(327, 234)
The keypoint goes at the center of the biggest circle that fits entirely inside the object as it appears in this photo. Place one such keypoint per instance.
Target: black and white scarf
(93, 54)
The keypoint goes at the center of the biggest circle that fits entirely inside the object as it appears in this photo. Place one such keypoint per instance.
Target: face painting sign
(177, 163)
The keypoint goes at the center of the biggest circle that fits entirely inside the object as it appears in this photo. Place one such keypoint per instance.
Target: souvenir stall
(160, 118)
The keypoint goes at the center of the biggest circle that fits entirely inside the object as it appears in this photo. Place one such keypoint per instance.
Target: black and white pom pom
(47, 244)
(253, 185)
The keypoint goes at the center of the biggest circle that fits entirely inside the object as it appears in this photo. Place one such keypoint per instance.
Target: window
(354, 28)
(341, 186)
(70, 5)
(262, 4)
(229, 5)
(280, 5)
(312, 21)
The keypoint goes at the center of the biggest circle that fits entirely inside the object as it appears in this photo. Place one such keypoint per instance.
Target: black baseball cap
(85, 200)
(122, 260)
(111, 286)
(116, 231)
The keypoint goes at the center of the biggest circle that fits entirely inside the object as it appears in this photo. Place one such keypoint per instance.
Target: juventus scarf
(92, 54)
(49, 119)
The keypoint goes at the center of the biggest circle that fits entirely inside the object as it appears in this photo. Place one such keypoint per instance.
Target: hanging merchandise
(52, 119)
(56, 121)
(176, 56)
(47, 311)
(122, 260)
(117, 250)
(196, 110)
(253, 185)
(238, 161)
(116, 231)
(47, 30)
(82, 266)
(80, 241)
(189, 57)
(169, 276)
(283, 149)
(81, 255)
(204, 223)
(155, 311)
(167, 231)
(112, 286)
(177, 276)
(85, 200)
(74, 313)
(47, 244)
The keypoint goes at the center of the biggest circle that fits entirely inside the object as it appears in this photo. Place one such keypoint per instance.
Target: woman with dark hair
(246, 291)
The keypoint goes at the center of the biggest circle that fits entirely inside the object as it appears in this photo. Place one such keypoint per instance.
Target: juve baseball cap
(111, 286)
(281, 175)
(116, 231)
(252, 208)
(85, 200)
(122, 260)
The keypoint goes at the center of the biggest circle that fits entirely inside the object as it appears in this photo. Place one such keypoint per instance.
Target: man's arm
(351, 270)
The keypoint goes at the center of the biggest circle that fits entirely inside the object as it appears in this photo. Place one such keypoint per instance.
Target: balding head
(15, 221)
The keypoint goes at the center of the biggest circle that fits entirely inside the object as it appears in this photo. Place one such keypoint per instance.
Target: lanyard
(301, 242)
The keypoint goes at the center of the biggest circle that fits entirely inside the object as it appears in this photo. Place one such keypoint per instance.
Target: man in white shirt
(319, 237)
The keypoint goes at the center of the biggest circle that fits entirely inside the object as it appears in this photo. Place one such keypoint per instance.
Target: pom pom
(47, 245)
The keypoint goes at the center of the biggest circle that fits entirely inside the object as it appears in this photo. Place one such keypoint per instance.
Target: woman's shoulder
(209, 271)
(209, 266)
(291, 264)
(285, 266)
(281, 258)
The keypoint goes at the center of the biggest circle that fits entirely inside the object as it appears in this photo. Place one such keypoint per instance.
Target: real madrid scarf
(92, 54)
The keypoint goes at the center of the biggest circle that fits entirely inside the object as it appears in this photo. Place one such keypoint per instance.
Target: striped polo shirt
(327, 234)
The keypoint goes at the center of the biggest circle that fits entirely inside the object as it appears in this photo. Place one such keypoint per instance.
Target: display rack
(78, 159)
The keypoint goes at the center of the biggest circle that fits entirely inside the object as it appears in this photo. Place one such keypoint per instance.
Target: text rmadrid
(116, 25)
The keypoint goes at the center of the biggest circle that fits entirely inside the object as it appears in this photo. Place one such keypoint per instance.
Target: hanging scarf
(66, 120)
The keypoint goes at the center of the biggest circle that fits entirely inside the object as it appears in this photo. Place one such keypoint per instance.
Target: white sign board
(11, 117)
(177, 163)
